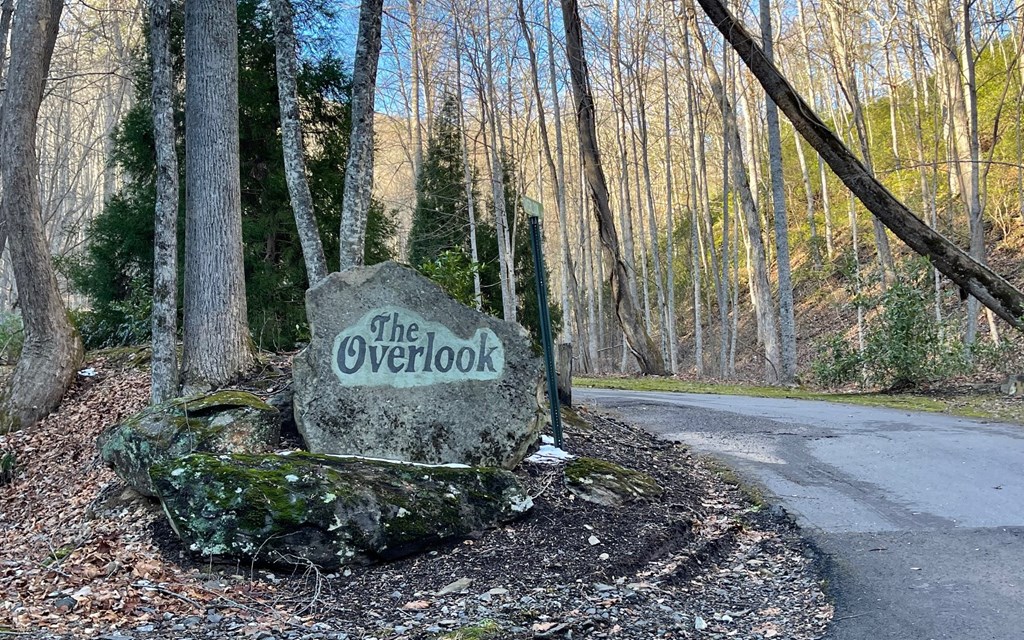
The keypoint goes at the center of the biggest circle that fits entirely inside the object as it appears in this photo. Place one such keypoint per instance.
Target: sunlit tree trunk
(762, 295)
(467, 176)
(52, 349)
(355, 205)
(640, 343)
(787, 322)
(292, 142)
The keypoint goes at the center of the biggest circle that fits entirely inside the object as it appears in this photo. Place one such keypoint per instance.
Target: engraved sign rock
(397, 347)
(396, 369)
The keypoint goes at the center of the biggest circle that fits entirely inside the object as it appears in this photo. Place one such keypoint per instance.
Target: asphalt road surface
(920, 516)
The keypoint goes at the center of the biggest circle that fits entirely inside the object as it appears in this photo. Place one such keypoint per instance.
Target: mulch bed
(82, 556)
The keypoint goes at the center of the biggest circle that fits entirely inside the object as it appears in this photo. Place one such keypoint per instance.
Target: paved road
(922, 515)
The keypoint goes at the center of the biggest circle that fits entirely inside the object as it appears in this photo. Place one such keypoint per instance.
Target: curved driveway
(920, 515)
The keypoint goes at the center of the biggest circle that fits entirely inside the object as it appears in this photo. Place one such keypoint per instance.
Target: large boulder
(221, 422)
(396, 369)
(301, 508)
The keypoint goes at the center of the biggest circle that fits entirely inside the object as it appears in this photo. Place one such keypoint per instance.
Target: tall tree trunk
(994, 291)
(6, 11)
(52, 349)
(670, 227)
(825, 202)
(506, 263)
(787, 323)
(164, 379)
(652, 220)
(640, 343)
(467, 177)
(292, 142)
(570, 288)
(809, 194)
(761, 289)
(359, 168)
(846, 77)
(217, 346)
(414, 70)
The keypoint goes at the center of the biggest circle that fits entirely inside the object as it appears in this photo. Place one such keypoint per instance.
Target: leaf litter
(83, 556)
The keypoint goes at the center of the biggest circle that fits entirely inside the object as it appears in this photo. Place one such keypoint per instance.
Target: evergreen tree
(116, 270)
(440, 221)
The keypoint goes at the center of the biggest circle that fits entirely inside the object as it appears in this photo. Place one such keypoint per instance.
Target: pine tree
(440, 221)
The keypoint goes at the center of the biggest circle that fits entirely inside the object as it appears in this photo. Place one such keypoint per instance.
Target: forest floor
(82, 556)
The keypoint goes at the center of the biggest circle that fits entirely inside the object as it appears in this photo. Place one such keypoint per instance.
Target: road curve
(921, 516)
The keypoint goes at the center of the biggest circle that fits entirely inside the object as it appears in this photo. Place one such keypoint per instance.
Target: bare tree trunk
(52, 349)
(414, 66)
(570, 288)
(467, 177)
(787, 323)
(6, 11)
(217, 346)
(509, 300)
(825, 203)
(994, 291)
(164, 379)
(670, 285)
(761, 289)
(809, 194)
(640, 342)
(292, 142)
(652, 220)
(846, 78)
(359, 168)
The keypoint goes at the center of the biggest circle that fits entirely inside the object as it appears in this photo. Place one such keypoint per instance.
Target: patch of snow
(521, 504)
(346, 456)
(291, 477)
(177, 472)
(550, 454)
(88, 372)
(402, 512)
(546, 439)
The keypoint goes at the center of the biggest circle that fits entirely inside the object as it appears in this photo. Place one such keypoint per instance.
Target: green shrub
(903, 345)
(837, 362)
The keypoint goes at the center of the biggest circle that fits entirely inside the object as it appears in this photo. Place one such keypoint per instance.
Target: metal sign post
(534, 210)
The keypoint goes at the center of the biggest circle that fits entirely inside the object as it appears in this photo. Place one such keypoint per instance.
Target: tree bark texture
(359, 168)
(52, 349)
(640, 343)
(787, 322)
(994, 291)
(164, 318)
(217, 346)
(292, 142)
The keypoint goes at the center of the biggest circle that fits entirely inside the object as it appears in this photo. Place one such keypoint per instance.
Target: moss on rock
(607, 483)
(301, 507)
(221, 422)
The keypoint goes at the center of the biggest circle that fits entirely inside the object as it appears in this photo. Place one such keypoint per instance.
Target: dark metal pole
(545, 322)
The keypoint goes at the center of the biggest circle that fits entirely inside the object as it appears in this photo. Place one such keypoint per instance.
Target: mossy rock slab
(221, 422)
(304, 508)
(607, 483)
